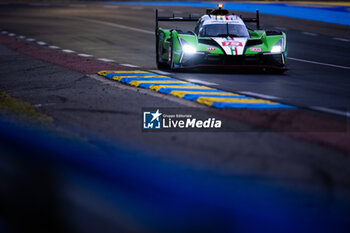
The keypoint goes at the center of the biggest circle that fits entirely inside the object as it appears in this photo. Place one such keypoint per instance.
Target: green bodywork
(168, 39)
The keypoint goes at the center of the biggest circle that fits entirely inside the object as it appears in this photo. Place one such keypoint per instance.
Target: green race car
(220, 39)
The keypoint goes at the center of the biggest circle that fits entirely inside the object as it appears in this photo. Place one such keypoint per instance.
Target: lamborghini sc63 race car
(220, 39)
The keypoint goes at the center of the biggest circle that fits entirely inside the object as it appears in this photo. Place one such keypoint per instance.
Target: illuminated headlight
(186, 48)
(278, 47)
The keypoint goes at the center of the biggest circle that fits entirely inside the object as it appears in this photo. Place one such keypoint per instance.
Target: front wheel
(172, 64)
(171, 58)
(161, 65)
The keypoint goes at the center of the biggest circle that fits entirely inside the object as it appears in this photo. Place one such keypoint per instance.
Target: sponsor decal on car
(255, 49)
(232, 43)
(211, 48)
(231, 46)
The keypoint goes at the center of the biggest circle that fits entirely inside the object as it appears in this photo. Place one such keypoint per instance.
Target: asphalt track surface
(124, 34)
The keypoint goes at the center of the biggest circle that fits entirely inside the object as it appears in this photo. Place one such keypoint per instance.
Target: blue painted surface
(147, 85)
(168, 90)
(128, 80)
(250, 105)
(194, 97)
(328, 14)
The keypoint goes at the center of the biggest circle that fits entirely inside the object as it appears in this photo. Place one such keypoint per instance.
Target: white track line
(4, 32)
(67, 51)
(41, 43)
(177, 12)
(105, 59)
(53, 47)
(30, 39)
(258, 95)
(332, 111)
(11, 34)
(43, 105)
(129, 65)
(160, 72)
(117, 25)
(201, 82)
(84, 55)
(21, 37)
(341, 39)
(310, 34)
(319, 63)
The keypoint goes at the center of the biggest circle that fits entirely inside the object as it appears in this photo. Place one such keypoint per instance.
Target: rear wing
(174, 18)
(190, 18)
(253, 20)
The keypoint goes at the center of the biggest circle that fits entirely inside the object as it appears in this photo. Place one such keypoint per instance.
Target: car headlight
(186, 48)
(278, 47)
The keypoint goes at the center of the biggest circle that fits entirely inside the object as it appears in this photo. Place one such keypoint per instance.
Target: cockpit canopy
(223, 30)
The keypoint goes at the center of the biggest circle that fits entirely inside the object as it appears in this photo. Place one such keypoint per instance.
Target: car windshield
(222, 30)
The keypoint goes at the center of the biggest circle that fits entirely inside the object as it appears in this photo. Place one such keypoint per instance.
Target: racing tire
(160, 65)
(171, 62)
